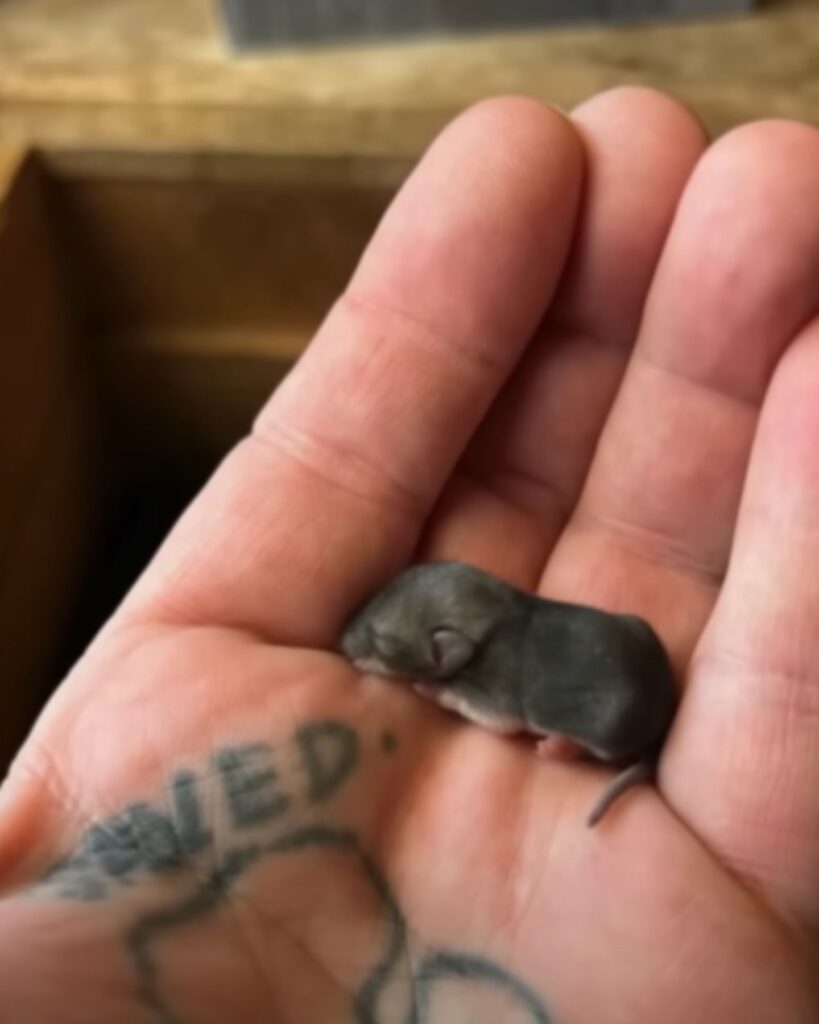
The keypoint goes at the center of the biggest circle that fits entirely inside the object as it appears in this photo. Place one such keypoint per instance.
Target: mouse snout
(348, 645)
(355, 640)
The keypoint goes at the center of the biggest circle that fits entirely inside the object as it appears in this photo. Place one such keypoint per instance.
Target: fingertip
(641, 147)
(645, 112)
(771, 164)
(521, 122)
(500, 186)
(768, 139)
(737, 279)
(528, 145)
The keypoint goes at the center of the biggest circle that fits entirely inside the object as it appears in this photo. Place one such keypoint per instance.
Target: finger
(653, 529)
(743, 767)
(329, 495)
(521, 477)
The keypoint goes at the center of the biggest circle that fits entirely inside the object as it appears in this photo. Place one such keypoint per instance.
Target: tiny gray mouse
(584, 680)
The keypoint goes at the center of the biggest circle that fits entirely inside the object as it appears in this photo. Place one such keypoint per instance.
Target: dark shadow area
(141, 514)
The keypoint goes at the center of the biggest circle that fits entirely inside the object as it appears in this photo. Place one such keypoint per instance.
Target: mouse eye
(387, 647)
(451, 650)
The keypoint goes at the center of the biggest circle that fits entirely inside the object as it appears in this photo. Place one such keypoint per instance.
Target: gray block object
(675, 8)
(253, 24)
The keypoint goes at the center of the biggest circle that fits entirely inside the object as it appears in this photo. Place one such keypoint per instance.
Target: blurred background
(185, 188)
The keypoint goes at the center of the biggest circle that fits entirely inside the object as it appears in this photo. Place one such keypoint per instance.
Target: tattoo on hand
(267, 812)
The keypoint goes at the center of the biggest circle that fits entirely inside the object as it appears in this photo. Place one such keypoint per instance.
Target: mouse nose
(351, 644)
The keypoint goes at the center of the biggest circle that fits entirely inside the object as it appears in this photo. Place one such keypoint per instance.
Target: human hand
(546, 366)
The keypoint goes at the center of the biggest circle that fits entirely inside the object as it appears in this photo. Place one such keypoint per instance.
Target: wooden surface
(151, 74)
(214, 251)
(199, 289)
(47, 451)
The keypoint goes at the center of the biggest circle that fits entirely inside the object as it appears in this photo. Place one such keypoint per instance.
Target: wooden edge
(14, 162)
(50, 465)
(216, 167)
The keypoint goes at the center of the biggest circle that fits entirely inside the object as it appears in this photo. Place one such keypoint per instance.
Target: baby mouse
(584, 680)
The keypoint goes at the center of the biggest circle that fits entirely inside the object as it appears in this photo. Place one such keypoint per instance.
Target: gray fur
(504, 657)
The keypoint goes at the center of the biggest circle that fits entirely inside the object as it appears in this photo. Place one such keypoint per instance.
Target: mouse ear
(451, 650)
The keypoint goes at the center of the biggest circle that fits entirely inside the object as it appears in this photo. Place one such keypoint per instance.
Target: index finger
(330, 492)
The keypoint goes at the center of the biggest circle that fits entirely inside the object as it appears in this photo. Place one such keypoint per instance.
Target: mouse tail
(634, 775)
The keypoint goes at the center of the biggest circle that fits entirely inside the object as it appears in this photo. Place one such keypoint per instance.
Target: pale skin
(581, 352)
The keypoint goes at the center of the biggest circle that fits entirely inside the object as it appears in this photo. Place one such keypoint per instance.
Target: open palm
(580, 353)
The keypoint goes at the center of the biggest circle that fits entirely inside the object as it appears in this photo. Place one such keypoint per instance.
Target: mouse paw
(559, 748)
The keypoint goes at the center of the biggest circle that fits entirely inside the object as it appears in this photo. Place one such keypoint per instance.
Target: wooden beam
(47, 454)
